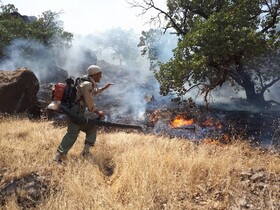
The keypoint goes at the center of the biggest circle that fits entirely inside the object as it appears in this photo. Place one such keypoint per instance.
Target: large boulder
(18, 90)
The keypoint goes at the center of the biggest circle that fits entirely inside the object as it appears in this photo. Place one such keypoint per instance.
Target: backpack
(65, 93)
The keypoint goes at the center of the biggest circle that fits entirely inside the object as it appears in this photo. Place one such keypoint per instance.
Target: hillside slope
(132, 171)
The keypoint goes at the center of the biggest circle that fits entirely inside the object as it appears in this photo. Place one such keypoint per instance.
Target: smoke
(273, 93)
(135, 88)
(30, 54)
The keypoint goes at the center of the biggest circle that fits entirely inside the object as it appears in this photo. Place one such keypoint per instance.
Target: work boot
(86, 151)
(59, 157)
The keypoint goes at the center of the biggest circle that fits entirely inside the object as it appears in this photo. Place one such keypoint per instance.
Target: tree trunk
(253, 98)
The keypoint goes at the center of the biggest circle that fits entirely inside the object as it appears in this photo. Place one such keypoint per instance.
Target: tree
(221, 41)
(155, 45)
(46, 30)
(149, 41)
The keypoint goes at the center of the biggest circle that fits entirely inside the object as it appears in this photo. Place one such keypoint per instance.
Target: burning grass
(132, 171)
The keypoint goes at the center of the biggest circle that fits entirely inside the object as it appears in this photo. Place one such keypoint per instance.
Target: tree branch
(273, 11)
(265, 87)
(149, 4)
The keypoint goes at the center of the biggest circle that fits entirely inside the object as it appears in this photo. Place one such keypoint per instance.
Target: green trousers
(73, 131)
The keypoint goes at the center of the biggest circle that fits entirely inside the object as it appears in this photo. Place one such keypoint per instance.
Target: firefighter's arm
(100, 90)
(87, 92)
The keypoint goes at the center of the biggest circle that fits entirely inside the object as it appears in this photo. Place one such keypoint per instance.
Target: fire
(211, 123)
(211, 141)
(223, 140)
(179, 121)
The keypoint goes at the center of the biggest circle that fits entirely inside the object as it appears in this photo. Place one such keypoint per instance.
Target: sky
(88, 16)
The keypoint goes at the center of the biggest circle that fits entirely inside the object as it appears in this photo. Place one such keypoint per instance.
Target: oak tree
(47, 30)
(220, 41)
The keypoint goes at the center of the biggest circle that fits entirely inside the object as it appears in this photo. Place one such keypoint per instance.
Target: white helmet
(93, 69)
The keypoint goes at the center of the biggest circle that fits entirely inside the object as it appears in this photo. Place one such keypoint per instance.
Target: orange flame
(223, 140)
(211, 123)
(211, 141)
(179, 121)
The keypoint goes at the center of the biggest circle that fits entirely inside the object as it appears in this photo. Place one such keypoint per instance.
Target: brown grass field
(131, 171)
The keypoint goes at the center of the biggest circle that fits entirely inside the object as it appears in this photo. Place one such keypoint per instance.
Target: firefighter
(86, 91)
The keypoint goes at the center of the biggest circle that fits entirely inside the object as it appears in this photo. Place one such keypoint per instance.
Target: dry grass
(138, 171)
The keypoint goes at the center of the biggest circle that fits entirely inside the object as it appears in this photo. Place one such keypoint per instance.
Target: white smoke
(30, 54)
(135, 87)
(133, 81)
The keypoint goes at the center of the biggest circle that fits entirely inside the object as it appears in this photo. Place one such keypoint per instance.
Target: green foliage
(222, 40)
(47, 29)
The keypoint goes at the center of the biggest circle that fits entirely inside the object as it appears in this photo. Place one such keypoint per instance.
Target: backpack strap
(77, 82)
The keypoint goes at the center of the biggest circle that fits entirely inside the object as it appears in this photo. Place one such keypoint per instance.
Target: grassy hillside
(132, 171)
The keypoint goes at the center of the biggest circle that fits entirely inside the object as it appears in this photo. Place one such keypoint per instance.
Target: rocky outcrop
(18, 90)
(25, 18)
(54, 74)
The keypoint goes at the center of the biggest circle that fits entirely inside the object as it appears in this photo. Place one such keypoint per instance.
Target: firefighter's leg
(90, 140)
(70, 137)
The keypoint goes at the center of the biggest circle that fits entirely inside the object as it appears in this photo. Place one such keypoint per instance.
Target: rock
(18, 90)
(245, 175)
(54, 74)
(258, 176)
